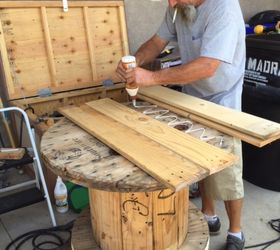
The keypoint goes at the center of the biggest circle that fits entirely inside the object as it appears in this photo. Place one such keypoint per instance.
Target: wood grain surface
(243, 122)
(83, 159)
(229, 131)
(142, 220)
(197, 151)
(74, 154)
(197, 237)
(165, 165)
(59, 47)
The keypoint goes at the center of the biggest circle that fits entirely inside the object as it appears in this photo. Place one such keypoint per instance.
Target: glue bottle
(129, 62)
(60, 194)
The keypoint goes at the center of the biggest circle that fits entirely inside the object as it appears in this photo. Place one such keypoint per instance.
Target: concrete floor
(260, 206)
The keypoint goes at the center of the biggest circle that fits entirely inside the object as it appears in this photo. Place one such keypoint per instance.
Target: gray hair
(188, 13)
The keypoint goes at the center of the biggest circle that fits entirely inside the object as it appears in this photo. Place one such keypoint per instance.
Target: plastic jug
(60, 194)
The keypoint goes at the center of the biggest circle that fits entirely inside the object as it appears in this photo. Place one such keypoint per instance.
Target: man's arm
(145, 54)
(150, 50)
(198, 69)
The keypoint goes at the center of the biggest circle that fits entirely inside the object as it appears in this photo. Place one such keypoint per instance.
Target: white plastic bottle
(60, 194)
(129, 62)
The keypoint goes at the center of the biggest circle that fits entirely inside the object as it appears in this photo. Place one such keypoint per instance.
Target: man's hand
(136, 76)
(139, 76)
(121, 71)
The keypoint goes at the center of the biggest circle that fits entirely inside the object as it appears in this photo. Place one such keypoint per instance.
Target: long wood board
(229, 131)
(165, 165)
(240, 121)
(75, 155)
(201, 153)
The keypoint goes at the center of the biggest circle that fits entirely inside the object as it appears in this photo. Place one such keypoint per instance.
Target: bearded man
(211, 40)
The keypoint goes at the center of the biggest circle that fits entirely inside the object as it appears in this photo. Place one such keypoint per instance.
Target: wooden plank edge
(124, 36)
(48, 43)
(67, 94)
(230, 125)
(197, 238)
(203, 172)
(9, 82)
(229, 131)
(35, 4)
(89, 39)
(215, 161)
(82, 179)
(182, 184)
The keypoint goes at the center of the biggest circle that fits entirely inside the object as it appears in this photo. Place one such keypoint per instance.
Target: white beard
(188, 13)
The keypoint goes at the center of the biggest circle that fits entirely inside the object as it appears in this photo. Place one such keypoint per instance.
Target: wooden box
(51, 58)
(46, 51)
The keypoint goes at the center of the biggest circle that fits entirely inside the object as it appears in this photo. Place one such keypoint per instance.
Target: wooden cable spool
(129, 208)
(197, 232)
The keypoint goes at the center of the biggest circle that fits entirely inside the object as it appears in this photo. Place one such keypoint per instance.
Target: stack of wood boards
(249, 128)
(170, 156)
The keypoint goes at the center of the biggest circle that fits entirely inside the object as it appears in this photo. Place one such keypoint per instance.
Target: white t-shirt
(217, 32)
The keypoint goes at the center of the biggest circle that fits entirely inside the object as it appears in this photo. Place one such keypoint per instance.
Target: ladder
(39, 176)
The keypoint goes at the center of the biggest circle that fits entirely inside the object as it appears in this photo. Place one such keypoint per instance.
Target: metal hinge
(108, 83)
(44, 92)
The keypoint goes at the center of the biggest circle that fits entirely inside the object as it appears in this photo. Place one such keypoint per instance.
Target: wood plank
(49, 46)
(198, 232)
(34, 4)
(71, 53)
(11, 153)
(137, 220)
(123, 30)
(111, 235)
(229, 131)
(90, 45)
(63, 50)
(243, 122)
(197, 238)
(168, 167)
(107, 40)
(6, 63)
(166, 210)
(79, 157)
(25, 51)
(68, 94)
(149, 220)
(201, 153)
(82, 235)
(183, 215)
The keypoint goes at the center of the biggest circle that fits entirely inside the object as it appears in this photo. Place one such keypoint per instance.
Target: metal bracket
(65, 5)
(108, 83)
(44, 92)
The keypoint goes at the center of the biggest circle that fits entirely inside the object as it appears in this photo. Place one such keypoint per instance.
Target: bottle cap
(128, 59)
(132, 92)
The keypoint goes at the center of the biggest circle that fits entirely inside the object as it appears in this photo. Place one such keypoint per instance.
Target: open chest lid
(44, 48)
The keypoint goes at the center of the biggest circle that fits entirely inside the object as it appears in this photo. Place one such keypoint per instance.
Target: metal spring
(186, 125)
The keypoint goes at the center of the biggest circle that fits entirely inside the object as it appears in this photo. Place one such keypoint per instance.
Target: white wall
(251, 7)
(144, 16)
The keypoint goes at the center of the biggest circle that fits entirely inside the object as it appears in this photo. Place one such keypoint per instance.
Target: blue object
(108, 83)
(250, 29)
